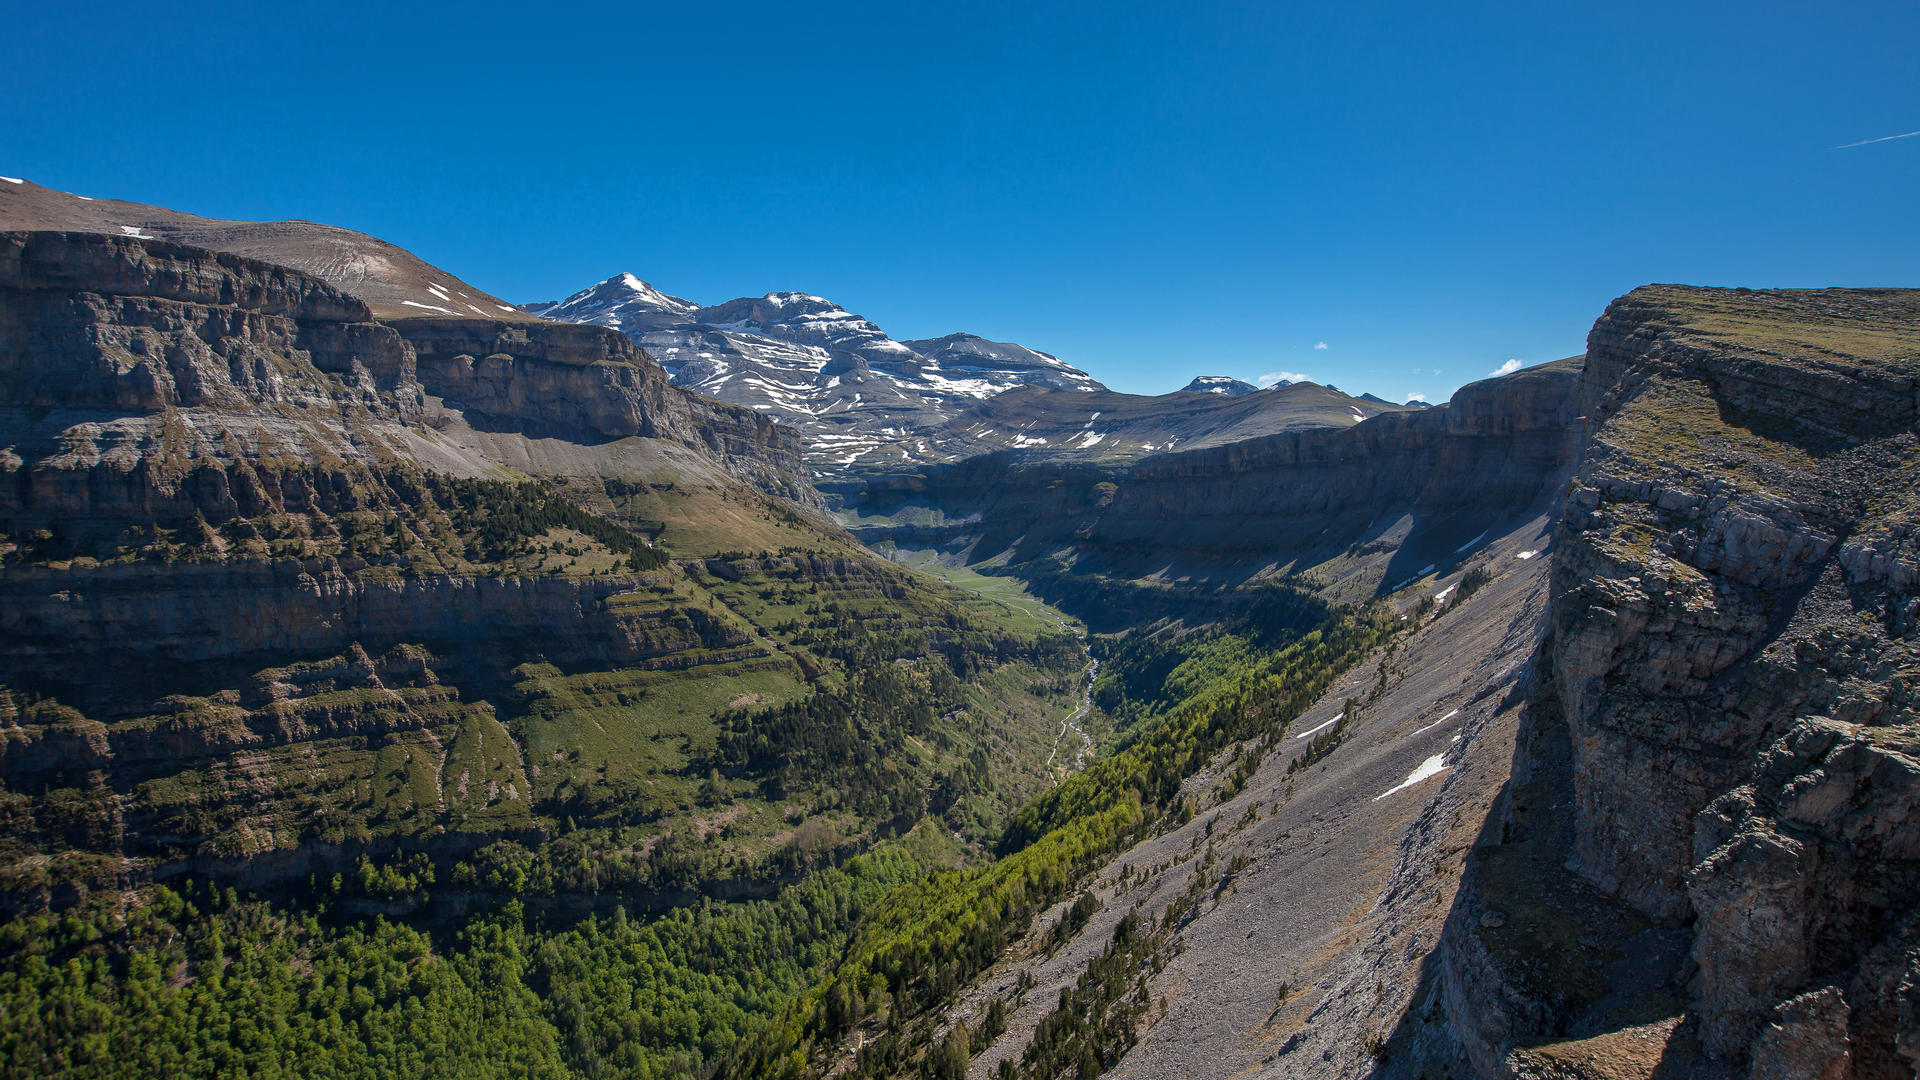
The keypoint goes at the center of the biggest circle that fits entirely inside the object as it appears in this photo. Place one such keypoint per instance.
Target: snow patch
(12, 180)
(1524, 555)
(1322, 727)
(428, 307)
(1463, 548)
(1426, 770)
(1438, 722)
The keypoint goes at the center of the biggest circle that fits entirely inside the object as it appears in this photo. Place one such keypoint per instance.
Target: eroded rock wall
(592, 384)
(1734, 659)
(1492, 450)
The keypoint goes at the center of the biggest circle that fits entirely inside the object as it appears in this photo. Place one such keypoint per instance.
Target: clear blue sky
(1148, 190)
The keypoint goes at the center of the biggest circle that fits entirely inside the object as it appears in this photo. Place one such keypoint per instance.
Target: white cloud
(1322, 345)
(1507, 368)
(1436, 371)
(1416, 397)
(1273, 378)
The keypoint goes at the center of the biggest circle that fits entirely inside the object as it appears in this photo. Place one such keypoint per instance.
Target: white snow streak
(1426, 770)
(1322, 727)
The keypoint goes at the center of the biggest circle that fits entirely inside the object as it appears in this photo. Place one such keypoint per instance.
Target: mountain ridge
(810, 362)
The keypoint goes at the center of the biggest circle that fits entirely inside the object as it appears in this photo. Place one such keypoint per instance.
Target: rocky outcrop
(592, 384)
(142, 381)
(1735, 582)
(214, 508)
(55, 621)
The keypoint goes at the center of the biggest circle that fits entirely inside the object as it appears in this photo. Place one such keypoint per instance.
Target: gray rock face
(187, 349)
(1805, 1040)
(1733, 653)
(136, 374)
(1403, 491)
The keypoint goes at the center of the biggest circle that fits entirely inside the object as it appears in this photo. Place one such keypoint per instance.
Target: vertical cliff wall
(1353, 510)
(1732, 679)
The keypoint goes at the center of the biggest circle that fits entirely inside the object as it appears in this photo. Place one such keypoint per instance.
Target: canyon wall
(244, 626)
(1350, 512)
(1731, 678)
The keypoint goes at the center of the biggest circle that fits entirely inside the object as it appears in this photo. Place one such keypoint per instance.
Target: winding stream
(1072, 722)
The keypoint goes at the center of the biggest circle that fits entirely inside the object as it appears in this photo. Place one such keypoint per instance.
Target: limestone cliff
(511, 370)
(1358, 509)
(592, 384)
(142, 380)
(1732, 670)
(209, 467)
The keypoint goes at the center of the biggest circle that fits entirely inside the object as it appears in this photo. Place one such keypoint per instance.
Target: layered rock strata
(1388, 499)
(1733, 660)
(234, 601)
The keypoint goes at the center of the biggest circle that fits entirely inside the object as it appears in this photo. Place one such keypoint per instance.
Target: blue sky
(1148, 191)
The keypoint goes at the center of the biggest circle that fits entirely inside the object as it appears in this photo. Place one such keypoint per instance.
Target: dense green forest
(933, 935)
(202, 982)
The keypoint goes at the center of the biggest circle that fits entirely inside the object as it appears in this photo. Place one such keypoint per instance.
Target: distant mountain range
(863, 400)
(812, 363)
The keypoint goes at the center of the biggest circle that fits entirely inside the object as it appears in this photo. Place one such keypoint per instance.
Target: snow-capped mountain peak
(623, 302)
(805, 360)
(646, 293)
(1221, 384)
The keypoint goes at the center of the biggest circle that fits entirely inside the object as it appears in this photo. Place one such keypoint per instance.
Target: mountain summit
(622, 302)
(1225, 385)
(813, 364)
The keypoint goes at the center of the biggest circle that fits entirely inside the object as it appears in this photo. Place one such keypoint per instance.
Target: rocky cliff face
(212, 468)
(1731, 671)
(1368, 505)
(590, 384)
(510, 368)
(147, 380)
(1488, 453)
(1734, 613)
